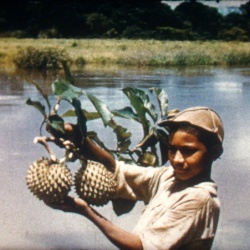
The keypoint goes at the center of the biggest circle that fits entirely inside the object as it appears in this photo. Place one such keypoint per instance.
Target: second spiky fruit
(95, 184)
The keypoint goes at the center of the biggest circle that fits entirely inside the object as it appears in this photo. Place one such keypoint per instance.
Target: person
(181, 204)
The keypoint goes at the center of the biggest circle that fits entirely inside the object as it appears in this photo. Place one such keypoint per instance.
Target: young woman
(181, 204)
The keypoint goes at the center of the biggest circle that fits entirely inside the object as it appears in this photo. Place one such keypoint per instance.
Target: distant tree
(201, 18)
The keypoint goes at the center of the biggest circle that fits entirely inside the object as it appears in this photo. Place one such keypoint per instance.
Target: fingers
(66, 205)
(69, 204)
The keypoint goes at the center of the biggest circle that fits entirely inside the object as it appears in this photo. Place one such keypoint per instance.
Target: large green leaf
(139, 101)
(81, 119)
(127, 113)
(89, 115)
(162, 98)
(102, 109)
(65, 89)
(45, 96)
(38, 106)
(148, 141)
(123, 138)
(147, 104)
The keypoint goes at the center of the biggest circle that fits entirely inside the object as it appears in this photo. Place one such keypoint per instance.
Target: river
(26, 223)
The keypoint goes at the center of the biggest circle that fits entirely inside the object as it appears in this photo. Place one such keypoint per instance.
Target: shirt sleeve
(135, 182)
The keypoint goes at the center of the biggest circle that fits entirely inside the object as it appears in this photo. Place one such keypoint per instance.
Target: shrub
(234, 33)
(46, 58)
(80, 61)
(170, 33)
(49, 33)
(237, 58)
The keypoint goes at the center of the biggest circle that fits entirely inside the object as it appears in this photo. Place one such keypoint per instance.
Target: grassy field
(134, 52)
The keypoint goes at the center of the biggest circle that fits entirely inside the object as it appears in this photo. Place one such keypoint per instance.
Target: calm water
(26, 223)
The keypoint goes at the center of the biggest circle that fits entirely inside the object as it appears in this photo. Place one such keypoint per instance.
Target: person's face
(188, 156)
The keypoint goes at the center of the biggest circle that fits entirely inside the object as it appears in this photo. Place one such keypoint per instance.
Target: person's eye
(171, 149)
(187, 151)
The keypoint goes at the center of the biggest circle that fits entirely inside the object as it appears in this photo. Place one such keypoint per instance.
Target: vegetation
(142, 110)
(27, 53)
(140, 19)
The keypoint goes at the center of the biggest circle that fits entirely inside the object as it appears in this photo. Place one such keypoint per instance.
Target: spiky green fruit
(49, 181)
(95, 184)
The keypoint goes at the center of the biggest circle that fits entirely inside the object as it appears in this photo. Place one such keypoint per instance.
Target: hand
(70, 204)
(71, 133)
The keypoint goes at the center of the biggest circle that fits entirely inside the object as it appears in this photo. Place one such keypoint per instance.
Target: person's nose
(178, 157)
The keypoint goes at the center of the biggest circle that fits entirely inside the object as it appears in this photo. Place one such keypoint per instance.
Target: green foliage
(234, 58)
(169, 33)
(191, 20)
(142, 110)
(234, 34)
(204, 20)
(34, 58)
(49, 33)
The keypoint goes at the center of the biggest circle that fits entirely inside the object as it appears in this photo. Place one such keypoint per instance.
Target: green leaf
(65, 89)
(89, 115)
(148, 159)
(127, 113)
(122, 133)
(148, 105)
(140, 102)
(42, 93)
(123, 138)
(123, 146)
(38, 106)
(148, 141)
(162, 99)
(56, 122)
(81, 119)
(102, 109)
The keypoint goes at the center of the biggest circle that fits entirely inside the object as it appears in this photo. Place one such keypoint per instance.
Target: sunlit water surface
(26, 223)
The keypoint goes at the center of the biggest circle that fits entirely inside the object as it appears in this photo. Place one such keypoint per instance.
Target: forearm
(119, 237)
(93, 152)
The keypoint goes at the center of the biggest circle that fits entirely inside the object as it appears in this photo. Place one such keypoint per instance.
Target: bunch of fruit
(51, 181)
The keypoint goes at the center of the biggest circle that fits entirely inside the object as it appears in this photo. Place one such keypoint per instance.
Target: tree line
(132, 19)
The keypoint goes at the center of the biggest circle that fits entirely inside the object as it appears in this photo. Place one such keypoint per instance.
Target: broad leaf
(38, 106)
(148, 159)
(89, 115)
(148, 105)
(81, 119)
(148, 141)
(63, 88)
(123, 138)
(122, 133)
(162, 98)
(126, 112)
(42, 93)
(137, 98)
(101, 108)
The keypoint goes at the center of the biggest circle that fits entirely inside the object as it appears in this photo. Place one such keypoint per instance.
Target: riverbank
(134, 52)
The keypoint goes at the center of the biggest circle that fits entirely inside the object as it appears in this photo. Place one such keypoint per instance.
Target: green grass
(135, 52)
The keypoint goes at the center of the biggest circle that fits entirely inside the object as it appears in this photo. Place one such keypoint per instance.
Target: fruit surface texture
(49, 181)
(95, 184)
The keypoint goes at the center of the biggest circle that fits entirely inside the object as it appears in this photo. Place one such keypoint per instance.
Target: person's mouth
(180, 171)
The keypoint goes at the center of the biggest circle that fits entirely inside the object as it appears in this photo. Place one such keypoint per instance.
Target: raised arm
(93, 152)
(88, 148)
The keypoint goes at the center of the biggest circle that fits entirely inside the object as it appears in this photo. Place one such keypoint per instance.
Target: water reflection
(35, 226)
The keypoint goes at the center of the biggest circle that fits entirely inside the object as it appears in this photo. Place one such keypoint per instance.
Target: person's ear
(216, 151)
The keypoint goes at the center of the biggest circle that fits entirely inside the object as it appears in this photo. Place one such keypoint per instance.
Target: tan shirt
(174, 217)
